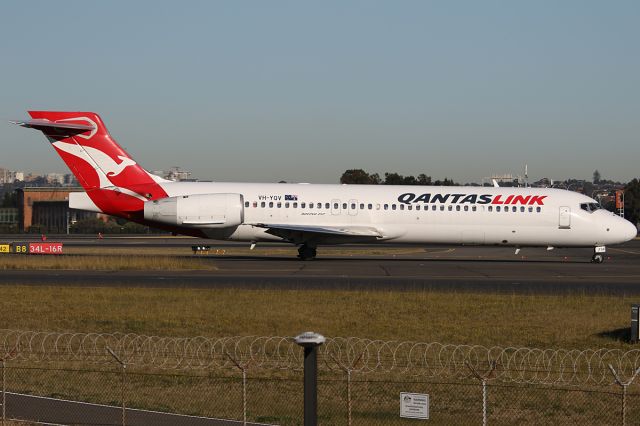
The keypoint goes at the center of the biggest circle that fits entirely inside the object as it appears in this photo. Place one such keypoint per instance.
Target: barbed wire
(355, 355)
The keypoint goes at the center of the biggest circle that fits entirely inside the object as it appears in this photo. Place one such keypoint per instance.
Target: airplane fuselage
(419, 214)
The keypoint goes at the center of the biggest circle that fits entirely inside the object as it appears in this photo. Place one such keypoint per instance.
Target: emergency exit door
(565, 218)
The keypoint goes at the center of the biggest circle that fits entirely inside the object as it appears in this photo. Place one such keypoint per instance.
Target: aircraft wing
(302, 232)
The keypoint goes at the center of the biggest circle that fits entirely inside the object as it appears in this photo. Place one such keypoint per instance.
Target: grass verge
(461, 318)
(103, 263)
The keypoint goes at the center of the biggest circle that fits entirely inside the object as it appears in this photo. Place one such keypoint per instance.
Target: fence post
(483, 380)
(242, 368)
(4, 391)
(623, 385)
(310, 342)
(123, 384)
(348, 369)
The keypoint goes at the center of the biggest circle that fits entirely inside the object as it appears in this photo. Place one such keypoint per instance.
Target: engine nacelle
(197, 211)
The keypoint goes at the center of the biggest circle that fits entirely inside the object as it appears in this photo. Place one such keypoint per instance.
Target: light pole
(310, 342)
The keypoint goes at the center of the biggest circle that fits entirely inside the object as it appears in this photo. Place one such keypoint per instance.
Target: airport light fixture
(310, 341)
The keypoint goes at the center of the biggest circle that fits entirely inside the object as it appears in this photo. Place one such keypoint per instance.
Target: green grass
(103, 263)
(460, 318)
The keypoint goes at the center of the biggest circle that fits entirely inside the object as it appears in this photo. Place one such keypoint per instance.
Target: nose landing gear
(598, 254)
(306, 252)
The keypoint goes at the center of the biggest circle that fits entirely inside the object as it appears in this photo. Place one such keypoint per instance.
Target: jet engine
(197, 211)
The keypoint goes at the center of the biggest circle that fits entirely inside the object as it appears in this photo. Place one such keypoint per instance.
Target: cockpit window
(590, 207)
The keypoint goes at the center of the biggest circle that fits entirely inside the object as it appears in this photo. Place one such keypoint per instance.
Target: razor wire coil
(433, 360)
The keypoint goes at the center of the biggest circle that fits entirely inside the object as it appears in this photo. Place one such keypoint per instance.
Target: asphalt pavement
(477, 269)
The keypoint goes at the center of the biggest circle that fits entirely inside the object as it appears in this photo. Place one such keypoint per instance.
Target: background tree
(359, 177)
(632, 201)
(596, 177)
(424, 179)
(393, 179)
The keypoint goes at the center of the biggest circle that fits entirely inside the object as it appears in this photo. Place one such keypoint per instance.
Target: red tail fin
(113, 180)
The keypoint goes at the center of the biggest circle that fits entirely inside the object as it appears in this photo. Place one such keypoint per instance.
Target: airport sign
(414, 405)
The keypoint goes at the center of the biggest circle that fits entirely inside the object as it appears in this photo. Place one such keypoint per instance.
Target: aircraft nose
(630, 231)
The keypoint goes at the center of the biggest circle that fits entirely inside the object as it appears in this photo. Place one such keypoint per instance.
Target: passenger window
(353, 206)
(263, 204)
(246, 204)
(271, 204)
(279, 205)
(538, 209)
(457, 208)
(344, 206)
(255, 204)
(497, 208)
(295, 205)
(336, 206)
(361, 206)
(450, 208)
(310, 205)
(327, 206)
(441, 208)
(393, 206)
(474, 208)
(434, 207)
(401, 206)
(417, 206)
(386, 206)
(377, 206)
(530, 209)
(286, 205)
(514, 209)
(302, 205)
(490, 208)
(522, 209)
(370, 206)
(466, 208)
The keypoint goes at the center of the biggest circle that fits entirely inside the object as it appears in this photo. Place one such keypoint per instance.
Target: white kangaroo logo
(95, 157)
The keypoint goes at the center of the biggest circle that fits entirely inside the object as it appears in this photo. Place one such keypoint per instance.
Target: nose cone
(628, 230)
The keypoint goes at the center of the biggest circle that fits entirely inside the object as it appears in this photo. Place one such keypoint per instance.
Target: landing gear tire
(597, 258)
(306, 253)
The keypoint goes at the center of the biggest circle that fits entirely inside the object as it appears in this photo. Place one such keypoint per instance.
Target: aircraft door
(565, 218)
(353, 207)
(335, 207)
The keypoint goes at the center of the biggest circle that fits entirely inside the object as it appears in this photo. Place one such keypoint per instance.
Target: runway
(477, 269)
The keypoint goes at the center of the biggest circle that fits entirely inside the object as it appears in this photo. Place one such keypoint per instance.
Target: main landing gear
(598, 254)
(306, 252)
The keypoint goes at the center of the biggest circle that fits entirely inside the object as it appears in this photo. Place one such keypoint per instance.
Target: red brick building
(46, 209)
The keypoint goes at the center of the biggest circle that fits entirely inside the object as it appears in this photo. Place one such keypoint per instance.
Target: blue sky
(301, 91)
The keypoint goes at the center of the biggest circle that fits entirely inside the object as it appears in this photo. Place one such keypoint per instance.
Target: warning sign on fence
(414, 405)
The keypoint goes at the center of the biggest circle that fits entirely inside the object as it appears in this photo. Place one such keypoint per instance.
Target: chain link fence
(94, 378)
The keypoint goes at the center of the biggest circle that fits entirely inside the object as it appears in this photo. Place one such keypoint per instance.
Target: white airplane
(313, 215)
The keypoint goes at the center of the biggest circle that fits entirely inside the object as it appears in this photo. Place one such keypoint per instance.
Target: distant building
(70, 180)
(177, 174)
(8, 215)
(46, 209)
(503, 180)
(10, 176)
(55, 178)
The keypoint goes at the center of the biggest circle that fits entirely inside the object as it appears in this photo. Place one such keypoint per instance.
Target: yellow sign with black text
(5, 248)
